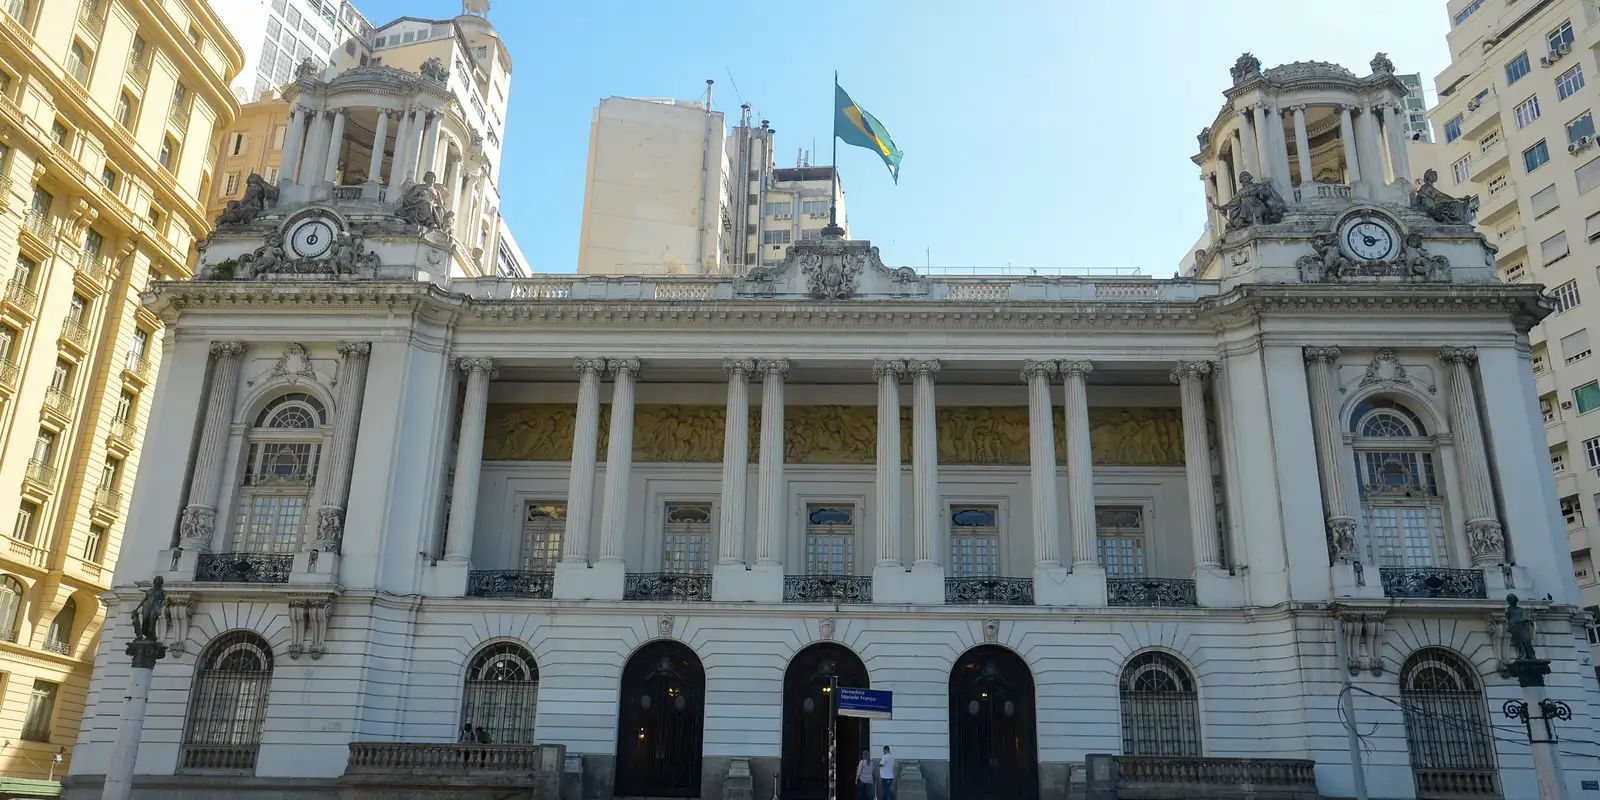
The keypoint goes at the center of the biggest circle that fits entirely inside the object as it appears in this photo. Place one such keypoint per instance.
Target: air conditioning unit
(1585, 141)
(785, 216)
(1573, 148)
(1566, 405)
(1563, 49)
(1473, 105)
(1545, 61)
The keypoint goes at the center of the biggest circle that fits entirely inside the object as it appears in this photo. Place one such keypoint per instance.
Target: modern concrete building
(1415, 106)
(1066, 521)
(111, 111)
(1519, 138)
(279, 34)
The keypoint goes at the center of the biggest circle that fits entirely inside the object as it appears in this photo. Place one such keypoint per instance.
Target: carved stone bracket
(1363, 641)
(175, 622)
(308, 624)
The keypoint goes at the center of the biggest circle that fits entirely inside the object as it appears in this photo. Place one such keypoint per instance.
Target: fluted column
(1347, 137)
(1080, 461)
(1399, 161)
(1191, 379)
(1302, 146)
(431, 143)
(342, 450)
(402, 134)
(1370, 143)
(927, 510)
(1264, 144)
(452, 180)
(619, 459)
(1247, 142)
(888, 375)
(1042, 463)
(735, 459)
(289, 161)
(199, 520)
(414, 151)
(1224, 181)
(1322, 367)
(771, 509)
(1280, 152)
(469, 460)
(335, 144)
(379, 138)
(311, 167)
(1484, 534)
(585, 444)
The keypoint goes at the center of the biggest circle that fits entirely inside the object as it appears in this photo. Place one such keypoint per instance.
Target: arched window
(1160, 710)
(59, 638)
(1447, 725)
(1398, 479)
(502, 694)
(280, 469)
(11, 595)
(228, 704)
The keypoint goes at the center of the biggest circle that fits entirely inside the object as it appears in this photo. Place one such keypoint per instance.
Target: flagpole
(833, 228)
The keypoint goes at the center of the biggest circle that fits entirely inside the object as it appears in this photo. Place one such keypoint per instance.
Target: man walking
(864, 776)
(886, 773)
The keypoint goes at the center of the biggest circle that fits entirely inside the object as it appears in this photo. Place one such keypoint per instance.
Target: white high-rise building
(279, 34)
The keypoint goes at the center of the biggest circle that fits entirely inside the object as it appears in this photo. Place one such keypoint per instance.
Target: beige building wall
(252, 144)
(795, 208)
(104, 164)
(1534, 175)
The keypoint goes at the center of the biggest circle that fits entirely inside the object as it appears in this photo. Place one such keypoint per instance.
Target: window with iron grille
(41, 707)
(502, 695)
(543, 525)
(1447, 721)
(830, 539)
(687, 546)
(974, 541)
(1119, 532)
(1160, 708)
(280, 471)
(228, 703)
(1395, 470)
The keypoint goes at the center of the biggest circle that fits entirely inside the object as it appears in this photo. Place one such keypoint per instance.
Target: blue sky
(1036, 132)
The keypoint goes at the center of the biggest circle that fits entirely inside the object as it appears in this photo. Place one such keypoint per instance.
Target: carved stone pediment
(832, 269)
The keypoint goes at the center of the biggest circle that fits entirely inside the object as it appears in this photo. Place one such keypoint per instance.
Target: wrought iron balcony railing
(510, 583)
(216, 758)
(108, 499)
(244, 567)
(8, 634)
(40, 473)
(93, 267)
(124, 430)
(8, 373)
(22, 295)
(76, 332)
(78, 70)
(988, 591)
(58, 401)
(827, 589)
(138, 70)
(1157, 592)
(40, 225)
(138, 366)
(666, 586)
(178, 113)
(92, 14)
(58, 647)
(1433, 582)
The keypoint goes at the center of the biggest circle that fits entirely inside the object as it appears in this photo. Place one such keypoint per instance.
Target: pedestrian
(482, 735)
(466, 733)
(886, 773)
(864, 776)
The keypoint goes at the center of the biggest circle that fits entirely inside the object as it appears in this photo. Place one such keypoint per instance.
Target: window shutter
(1588, 176)
(1554, 247)
(1575, 343)
(1545, 201)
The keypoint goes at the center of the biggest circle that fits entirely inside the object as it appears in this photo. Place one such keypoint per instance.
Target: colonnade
(311, 148)
(1372, 137)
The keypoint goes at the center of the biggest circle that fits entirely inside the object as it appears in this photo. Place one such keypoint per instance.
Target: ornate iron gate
(806, 711)
(660, 723)
(992, 733)
(1448, 732)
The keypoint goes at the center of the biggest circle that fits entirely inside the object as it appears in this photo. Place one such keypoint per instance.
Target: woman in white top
(864, 776)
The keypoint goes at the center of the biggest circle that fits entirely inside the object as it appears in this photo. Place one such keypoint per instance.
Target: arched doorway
(807, 709)
(992, 733)
(660, 721)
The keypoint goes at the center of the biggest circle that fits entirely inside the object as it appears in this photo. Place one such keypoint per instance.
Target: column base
(601, 580)
(924, 585)
(324, 570)
(1215, 588)
(177, 564)
(739, 583)
(1348, 582)
(891, 584)
(1085, 586)
(1050, 585)
(1499, 581)
(442, 578)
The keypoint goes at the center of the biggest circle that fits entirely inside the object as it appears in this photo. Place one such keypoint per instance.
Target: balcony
(1174, 776)
(138, 70)
(1490, 157)
(93, 267)
(58, 401)
(1433, 582)
(672, 586)
(78, 70)
(9, 370)
(26, 553)
(107, 501)
(988, 591)
(1151, 592)
(1481, 120)
(244, 567)
(123, 431)
(1495, 203)
(219, 759)
(39, 225)
(394, 769)
(58, 647)
(1513, 244)
(510, 583)
(40, 473)
(178, 114)
(22, 296)
(75, 333)
(827, 589)
(138, 366)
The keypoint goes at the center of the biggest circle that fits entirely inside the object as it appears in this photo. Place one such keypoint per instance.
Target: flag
(855, 126)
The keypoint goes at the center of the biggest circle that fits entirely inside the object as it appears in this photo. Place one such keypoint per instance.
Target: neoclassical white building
(1069, 523)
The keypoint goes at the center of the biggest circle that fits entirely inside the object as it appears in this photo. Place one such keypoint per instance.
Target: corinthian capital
(1075, 369)
(621, 366)
(1038, 369)
(471, 365)
(773, 366)
(589, 366)
(929, 367)
(1464, 355)
(738, 368)
(882, 367)
(355, 349)
(1190, 370)
(227, 349)
(1321, 355)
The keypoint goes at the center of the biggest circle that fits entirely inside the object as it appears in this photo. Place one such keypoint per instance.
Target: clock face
(312, 238)
(1368, 240)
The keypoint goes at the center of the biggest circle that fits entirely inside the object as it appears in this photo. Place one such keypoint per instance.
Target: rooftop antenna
(735, 83)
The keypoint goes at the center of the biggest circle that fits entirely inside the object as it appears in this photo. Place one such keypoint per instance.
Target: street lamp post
(1535, 706)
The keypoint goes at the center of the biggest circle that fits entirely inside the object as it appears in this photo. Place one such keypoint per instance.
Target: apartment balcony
(25, 553)
(1566, 483)
(123, 431)
(244, 567)
(138, 367)
(21, 296)
(39, 225)
(41, 475)
(138, 70)
(1481, 120)
(1490, 157)
(178, 114)
(669, 586)
(535, 584)
(58, 647)
(93, 267)
(1433, 582)
(58, 402)
(1493, 205)
(827, 589)
(1151, 592)
(9, 371)
(78, 70)
(988, 591)
(1544, 381)
(1555, 433)
(1513, 244)
(107, 501)
(76, 334)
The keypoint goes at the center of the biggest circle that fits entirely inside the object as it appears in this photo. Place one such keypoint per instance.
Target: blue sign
(866, 703)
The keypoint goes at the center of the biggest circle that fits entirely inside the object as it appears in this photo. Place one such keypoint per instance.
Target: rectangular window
(1119, 532)
(1570, 82)
(816, 207)
(44, 447)
(1535, 156)
(543, 526)
(8, 342)
(811, 234)
(108, 177)
(60, 133)
(230, 183)
(1560, 39)
(1527, 111)
(1554, 249)
(111, 473)
(1565, 296)
(1517, 68)
(125, 405)
(779, 209)
(1406, 535)
(42, 201)
(687, 546)
(61, 378)
(27, 516)
(125, 111)
(94, 544)
(1544, 201)
(77, 309)
(270, 523)
(1591, 449)
(780, 236)
(1558, 462)
(237, 146)
(1575, 345)
(1460, 169)
(23, 275)
(1572, 511)
(1581, 127)
(974, 541)
(41, 707)
(830, 540)
(141, 343)
(94, 242)
(1587, 397)
(1452, 129)
(1472, 8)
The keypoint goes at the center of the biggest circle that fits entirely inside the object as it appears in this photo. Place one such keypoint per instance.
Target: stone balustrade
(1159, 777)
(979, 288)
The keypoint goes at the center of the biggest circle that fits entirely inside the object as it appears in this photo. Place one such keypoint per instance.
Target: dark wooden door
(993, 752)
(660, 722)
(807, 713)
